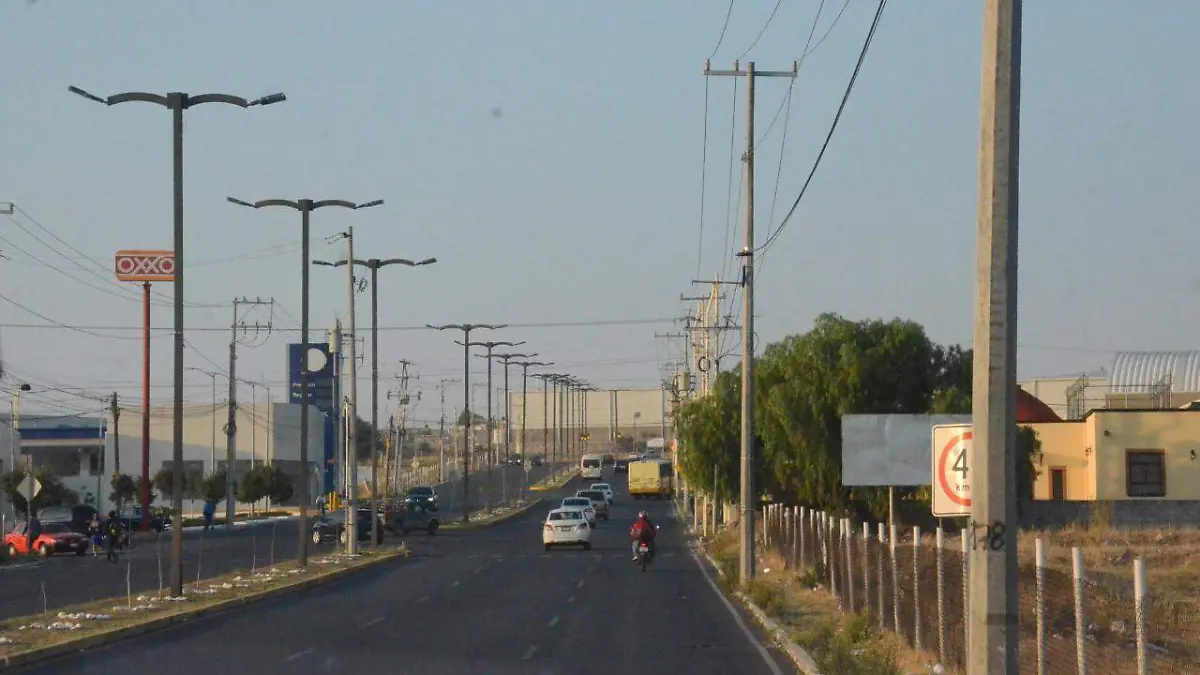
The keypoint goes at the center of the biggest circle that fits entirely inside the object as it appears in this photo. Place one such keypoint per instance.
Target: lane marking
(554, 621)
(374, 621)
(478, 569)
(570, 599)
(762, 651)
(580, 584)
(529, 653)
(301, 653)
(454, 584)
(421, 599)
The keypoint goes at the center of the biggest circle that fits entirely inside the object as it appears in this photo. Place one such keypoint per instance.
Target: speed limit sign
(952, 470)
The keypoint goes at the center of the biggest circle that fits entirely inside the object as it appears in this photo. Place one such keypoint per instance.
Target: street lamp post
(490, 346)
(506, 360)
(213, 375)
(374, 264)
(466, 329)
(177, 103)
(305, 207)
(525, 366)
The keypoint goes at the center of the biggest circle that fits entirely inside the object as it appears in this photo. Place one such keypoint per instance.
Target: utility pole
(231, 415)
(993, 642)
(402, 402)
(507, 360)
(305, 207)
(442, 427)
(115, 407)
(746, 563)
(352, 422)
(525, 366)
(339, 450)
(372, 264)
(490, 346)
(466, 329)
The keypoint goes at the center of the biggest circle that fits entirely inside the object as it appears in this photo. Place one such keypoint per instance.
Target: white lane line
(478, 569)
(554, 621)
(570, 599)
(421, 599)
(529, 653)
(454, 584)
(580, 584)
(762, 651)
(374, 621)
(299, 654)
(473, 556)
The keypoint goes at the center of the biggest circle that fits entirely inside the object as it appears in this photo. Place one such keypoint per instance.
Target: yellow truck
(651, 479)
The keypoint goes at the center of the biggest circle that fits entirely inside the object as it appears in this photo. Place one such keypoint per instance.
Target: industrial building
(637, 414)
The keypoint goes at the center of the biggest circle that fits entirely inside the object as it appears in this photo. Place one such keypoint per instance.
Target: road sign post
(30, 489)
(952, 470)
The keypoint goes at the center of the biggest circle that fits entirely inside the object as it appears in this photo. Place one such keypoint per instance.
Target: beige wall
(1062, 448)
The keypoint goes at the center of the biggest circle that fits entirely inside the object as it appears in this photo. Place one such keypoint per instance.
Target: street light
(305, 207)
(213, 375)
(489, 346)
(177, 103)
(506, 360)
(374, 264)
(545, 378)
(525, 365)
(466, 329)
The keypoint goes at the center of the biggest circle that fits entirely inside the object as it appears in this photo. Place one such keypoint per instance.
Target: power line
(762, 32)
(543, 324)
(724, 28)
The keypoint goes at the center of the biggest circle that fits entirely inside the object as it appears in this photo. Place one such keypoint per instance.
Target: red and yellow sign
(145, 265)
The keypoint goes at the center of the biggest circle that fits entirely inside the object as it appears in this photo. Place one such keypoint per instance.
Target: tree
(279, 484)
(53, 492)
(124, 488)
(364, 435)
(709, 429)
(164, 482)
(256, 485)
(213, 487)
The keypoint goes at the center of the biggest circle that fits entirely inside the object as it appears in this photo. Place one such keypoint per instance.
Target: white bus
(591, 466)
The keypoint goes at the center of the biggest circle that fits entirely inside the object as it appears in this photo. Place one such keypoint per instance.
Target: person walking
(112, 531)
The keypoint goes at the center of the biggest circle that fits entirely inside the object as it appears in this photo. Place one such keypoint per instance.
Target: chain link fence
(914, 584)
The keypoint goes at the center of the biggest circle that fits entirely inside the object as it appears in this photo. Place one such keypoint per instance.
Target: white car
(567, 526)
(606, 489)
(582, 504)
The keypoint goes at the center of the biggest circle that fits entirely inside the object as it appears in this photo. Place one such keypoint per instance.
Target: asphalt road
(484, 601)
(70, 580)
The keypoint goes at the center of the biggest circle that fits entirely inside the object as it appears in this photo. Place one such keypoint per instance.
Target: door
(1058, 484)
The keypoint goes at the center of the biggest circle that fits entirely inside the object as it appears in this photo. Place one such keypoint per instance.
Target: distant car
(131, 518)
(538, 460)
(621, 466)
(413, 515)
(608, 460)
(425, 492)
(332, 527)
(55, 538)
(598, 500)
(567, 526)
(583, 504)
(606, 489)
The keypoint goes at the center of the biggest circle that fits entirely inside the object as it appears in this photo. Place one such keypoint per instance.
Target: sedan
(55, 538)
(598, 500)
(606, 489)
(584, 505)
(567, 526)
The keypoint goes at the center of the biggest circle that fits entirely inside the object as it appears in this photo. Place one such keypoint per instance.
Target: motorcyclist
(643, 530)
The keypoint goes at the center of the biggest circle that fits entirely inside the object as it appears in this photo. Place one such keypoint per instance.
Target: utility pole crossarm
(739, 72)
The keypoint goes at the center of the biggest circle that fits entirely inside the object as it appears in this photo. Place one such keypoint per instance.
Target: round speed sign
(953, 469)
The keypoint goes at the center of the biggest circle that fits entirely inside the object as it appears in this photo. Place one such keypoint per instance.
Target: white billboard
(890, 450)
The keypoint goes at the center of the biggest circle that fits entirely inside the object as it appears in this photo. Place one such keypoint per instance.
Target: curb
(460, 527)
(798, 656)
(549, 487)
(40, 656)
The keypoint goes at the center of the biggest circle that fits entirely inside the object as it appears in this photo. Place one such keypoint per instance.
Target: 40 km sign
(952, 470)
(145, 265)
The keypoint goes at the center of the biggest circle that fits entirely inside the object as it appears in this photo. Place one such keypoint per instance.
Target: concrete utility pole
(115, 409)
(442, 427)
(525, 366)
(374, 264)
(490, 346)
(466, 329)
(177, 103)
(352, 421)
(305, 207)
(746, 563)
(507, 360)
(993, 644)
(231, 415)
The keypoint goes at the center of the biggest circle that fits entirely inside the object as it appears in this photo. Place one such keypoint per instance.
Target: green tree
(709, 430)
(279, 484)
(53, 492)
(256, 484)
(366, 437)
(124, 488)
(213, 487)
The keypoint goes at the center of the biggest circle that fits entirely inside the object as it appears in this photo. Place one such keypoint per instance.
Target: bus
(591, 466)
(651, 479)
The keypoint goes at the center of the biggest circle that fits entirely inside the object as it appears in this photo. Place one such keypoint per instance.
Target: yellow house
(1120, 455)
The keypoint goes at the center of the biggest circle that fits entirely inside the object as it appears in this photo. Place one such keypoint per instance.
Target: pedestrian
(96, 531)
(210, 509)
(32, 532)
(112, 530)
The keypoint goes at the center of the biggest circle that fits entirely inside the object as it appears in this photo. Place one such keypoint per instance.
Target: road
(484, 601)
(70, 580)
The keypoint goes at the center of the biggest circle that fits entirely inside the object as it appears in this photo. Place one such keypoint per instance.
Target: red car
(55, 538)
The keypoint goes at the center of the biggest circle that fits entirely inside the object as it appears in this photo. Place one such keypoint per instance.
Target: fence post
(941, 595)
(1078, 574)
(966, 589)
(805, 516)
(917, 587)
(797, 512)
(1140, 592)
(866, 567)
(827, 553)
(1039, 602)
(848, 545)
(892, 533)
(879, 569)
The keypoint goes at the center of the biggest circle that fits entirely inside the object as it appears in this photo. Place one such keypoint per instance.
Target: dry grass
(55, 627)
(491, 516)
(555, 481)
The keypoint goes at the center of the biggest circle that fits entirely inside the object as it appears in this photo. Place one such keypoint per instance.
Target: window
(1058, 483)
(1145, 473)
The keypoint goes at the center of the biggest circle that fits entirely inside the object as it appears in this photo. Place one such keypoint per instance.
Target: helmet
(641, 514)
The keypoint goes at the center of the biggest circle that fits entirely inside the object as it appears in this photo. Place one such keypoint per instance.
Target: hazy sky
(548, 153)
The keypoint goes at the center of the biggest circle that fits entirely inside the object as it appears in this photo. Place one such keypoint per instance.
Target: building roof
(1032, 410)
(1141, 372)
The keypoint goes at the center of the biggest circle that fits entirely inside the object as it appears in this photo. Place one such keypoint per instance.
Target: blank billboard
(893, 450)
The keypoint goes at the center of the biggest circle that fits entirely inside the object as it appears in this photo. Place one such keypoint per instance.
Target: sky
(554, 156)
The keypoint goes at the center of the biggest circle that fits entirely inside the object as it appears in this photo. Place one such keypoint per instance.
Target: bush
(53, 492)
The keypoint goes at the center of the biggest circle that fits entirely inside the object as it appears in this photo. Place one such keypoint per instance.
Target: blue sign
(320, 380)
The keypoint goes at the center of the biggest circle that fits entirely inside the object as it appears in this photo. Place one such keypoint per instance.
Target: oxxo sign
(952, 470)
(145, 265)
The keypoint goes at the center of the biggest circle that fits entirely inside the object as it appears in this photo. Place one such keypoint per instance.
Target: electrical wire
(703, 180)
(763, 31)
(54, 325)
(58, 324)
(724, 28)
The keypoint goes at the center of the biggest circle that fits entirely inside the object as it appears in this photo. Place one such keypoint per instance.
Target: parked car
(332, 527)
(413, 515)
(131, 518)
(424, 492)
(55, 538)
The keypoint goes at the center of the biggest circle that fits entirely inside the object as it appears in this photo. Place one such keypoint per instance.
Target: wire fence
(915, 585)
